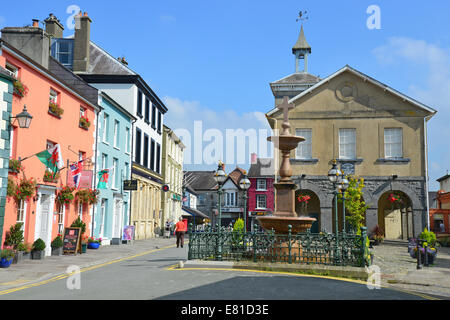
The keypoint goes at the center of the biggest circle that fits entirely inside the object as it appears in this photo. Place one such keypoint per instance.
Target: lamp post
(343, 186)
(220, 177)
(334, 177)
(245, 185)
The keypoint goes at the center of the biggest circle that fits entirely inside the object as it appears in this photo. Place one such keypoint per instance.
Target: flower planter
(57, 251)
(4, 263)
(18, 257)
(83, 247)
(93, 245)
(37, 254)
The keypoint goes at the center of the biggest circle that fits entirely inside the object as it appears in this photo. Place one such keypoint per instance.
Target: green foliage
(23, 247)
(14, 236)
(238, 225)
(78, 223)
(39, 245)
(7, 254)
(57, 242)
(354, 203)
(238, 230)
(429, 237)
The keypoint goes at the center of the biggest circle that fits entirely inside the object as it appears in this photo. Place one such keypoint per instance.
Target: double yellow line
(66, 275)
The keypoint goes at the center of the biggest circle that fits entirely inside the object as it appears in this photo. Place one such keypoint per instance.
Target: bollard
(419, 265)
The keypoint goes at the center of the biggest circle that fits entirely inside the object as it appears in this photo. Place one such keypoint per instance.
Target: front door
(393, 224)
(44, 220)
(117, 225)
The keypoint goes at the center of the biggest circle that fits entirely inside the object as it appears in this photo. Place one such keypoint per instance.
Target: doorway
(44, 214)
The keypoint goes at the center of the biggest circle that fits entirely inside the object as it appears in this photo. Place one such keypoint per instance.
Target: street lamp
(343, 186)
(245, 185)
(220, 177)
(23, 118)
(334, 175)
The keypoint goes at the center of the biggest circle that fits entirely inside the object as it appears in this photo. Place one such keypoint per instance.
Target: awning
(194, 212)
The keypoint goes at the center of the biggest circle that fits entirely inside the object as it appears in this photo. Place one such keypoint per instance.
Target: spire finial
(302, 16)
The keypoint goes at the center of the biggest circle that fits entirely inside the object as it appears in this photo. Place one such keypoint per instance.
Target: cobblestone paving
(399, 270)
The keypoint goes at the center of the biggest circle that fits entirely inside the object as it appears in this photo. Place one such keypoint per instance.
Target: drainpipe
(425, 120)
(131, 169)
(95, 170)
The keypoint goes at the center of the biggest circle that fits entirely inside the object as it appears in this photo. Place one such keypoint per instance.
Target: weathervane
(302, 16)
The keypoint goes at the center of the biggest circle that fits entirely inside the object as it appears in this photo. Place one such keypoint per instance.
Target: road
(150, 277)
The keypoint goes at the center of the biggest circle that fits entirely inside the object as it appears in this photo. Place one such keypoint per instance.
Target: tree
(355, 205)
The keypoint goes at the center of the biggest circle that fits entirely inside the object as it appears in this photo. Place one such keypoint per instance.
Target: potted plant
(38, 250)
(57, 245)
(78, 223)
(377, 235)
(20, 89)
(55, 109)
(84, 243)
(14, 166)
(13, 238)
(94, 243)
(6, 258)
(21, 252)
(84, 122)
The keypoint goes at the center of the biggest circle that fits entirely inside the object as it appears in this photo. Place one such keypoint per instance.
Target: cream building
(172, 171)
(372, 130)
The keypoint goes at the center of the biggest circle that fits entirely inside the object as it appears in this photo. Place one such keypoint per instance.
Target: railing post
(254, 245)
(363, 244)
(191, 238)
(289, 243)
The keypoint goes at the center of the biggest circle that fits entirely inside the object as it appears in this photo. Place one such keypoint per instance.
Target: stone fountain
(285, 196)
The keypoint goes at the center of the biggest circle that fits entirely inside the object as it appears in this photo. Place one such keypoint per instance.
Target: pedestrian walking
(180, 229)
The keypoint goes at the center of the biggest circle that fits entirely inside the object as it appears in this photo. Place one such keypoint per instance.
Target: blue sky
(216, 58)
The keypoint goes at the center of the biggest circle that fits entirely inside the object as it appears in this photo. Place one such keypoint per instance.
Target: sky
(212, 61)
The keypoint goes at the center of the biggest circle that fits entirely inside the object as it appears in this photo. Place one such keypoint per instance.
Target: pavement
(397, 268)
(29, 271)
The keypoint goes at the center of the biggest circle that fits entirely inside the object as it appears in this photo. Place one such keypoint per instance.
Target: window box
(14, 166)
(55, 110)
(20, 89)
(84, 123)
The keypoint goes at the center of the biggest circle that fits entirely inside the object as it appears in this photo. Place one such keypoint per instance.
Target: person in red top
(180, 229)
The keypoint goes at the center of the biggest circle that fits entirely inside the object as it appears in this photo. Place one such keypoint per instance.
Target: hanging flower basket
(84, 122)
(87, 196)
(20, 89)
(14, 166)
(303, 199)
(65, 195)
(50, 177)
(55, 109)
(396, 200)
(25, 189)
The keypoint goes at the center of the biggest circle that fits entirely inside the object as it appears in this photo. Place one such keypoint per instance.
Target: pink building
(261, 196)
(25, 53)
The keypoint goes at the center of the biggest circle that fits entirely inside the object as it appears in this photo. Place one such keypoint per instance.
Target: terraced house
(113, 76)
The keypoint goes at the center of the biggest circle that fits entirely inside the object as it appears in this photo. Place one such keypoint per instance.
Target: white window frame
(393, 143)
(105, 127)
(103, 210)
(258, 185)
(116, 134)
(12, 69)
(104, 161)
(53, 96)
(127, 140)
(304, 149)
(115, 179)
(258, 197)
(22, 213)
(61, 217)
(347, 143)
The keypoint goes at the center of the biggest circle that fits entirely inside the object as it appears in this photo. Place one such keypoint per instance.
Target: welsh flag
(103, 176)
(52, 158)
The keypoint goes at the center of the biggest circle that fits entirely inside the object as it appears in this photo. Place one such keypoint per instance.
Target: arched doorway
(310, 209)
(395, 215)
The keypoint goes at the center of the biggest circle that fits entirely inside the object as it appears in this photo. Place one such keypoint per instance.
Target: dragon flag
(52, 158)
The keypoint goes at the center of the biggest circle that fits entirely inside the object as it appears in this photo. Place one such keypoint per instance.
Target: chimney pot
(35, 23)
(254, 158)
(85, 14)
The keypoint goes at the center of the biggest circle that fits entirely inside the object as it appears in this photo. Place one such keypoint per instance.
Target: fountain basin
(286, 142)
(280, 224)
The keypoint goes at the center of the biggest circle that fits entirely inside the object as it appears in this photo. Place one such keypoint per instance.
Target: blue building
(114, 152)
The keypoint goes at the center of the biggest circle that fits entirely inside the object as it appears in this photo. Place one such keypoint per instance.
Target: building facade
(374, 132)
(172, 171)
(25, 54)
(261, 194)
(441, 214)
(114, 154)
(113, 76)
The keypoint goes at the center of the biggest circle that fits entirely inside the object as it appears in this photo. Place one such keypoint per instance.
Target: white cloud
(189, 116)
(431, 86)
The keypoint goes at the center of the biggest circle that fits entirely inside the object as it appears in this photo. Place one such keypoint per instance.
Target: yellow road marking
(66, 275)
(424, 296)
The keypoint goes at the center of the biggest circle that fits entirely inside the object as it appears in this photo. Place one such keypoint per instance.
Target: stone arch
(311, 209)
(399, 186)
(396, 219)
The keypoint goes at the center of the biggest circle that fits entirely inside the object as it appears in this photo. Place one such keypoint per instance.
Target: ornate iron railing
(307, 248)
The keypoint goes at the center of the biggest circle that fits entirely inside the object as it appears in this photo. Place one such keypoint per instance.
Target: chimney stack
(82, 42)
(254, 158)
(35, 23)
(53, 27)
